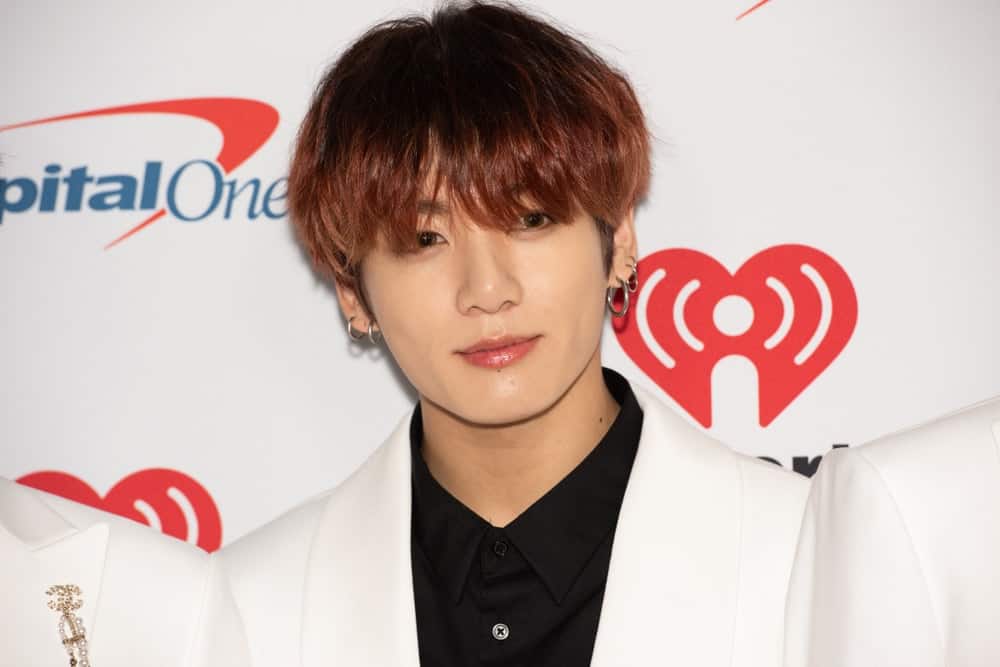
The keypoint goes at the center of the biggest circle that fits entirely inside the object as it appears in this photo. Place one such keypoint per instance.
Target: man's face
(447, 309)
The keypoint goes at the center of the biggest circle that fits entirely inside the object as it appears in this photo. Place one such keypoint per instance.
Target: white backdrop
(864, 131)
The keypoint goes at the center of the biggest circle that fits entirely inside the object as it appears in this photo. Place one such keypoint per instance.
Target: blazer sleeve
(858, 596)
(220, 640)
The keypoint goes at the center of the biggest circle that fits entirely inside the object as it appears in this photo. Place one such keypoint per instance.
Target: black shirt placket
(527, 594)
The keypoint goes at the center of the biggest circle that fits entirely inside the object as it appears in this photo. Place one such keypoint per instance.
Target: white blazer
(899, 561)
(149, 600)
(698, 574)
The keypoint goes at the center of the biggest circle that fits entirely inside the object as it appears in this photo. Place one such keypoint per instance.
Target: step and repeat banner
(820, 251)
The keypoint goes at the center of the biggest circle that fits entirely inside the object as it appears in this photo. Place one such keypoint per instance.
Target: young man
(899, 562)
(130, 595)
(469, 181)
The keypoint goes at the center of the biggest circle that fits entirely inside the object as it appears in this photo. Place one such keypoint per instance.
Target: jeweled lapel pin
(66, 600)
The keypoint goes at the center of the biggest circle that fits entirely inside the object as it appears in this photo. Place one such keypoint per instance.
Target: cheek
(412, 308)
(570, 285)
(570, 300)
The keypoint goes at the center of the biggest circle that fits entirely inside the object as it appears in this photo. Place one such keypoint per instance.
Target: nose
(489, 281)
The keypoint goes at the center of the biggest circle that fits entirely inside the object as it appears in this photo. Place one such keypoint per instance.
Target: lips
(498, 352)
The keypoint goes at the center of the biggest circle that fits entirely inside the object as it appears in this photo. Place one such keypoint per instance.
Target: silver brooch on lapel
(66, 599)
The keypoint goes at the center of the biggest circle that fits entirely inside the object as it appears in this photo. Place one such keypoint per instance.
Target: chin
(505, 397)
(499, 413)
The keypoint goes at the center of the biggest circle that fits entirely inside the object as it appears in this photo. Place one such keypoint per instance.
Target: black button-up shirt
(528, 593)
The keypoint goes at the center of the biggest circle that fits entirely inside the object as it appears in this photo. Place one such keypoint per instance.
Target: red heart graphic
(803, 309)
(182, 506)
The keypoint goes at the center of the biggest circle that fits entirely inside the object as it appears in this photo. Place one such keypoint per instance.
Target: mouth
(498, 352)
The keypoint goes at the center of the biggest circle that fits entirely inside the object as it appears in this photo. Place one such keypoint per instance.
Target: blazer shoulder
(971, 434)
(265, 572)
(130, 539)
(927, 496)
(774, 501)
(858, 574)
(928, 471)
(770, 484)
(286, 540)
(766, 487)
(271, 545)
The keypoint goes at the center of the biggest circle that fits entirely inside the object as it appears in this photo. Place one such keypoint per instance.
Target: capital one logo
(166, 500)
(789, 310)
(245, 125)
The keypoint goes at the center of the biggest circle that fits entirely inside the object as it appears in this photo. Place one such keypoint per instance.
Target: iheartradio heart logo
(790, 310)
(167, 500)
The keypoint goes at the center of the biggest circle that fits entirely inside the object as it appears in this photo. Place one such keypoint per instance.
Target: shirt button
(500, 548)
(500, 631)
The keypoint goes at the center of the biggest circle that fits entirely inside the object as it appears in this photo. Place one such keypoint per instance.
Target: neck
(500, 471)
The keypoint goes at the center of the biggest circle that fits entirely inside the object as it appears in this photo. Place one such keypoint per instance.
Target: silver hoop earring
(352, 332)
(610, 298)
(374, 335)
(632, 284)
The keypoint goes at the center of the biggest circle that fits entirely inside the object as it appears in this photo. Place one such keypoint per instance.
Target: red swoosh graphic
(245, 126)
(757, 6)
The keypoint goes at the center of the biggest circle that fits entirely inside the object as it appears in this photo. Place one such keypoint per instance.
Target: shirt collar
(559, 533)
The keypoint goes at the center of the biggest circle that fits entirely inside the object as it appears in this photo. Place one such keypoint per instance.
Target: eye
(426, 239)
(535, 220)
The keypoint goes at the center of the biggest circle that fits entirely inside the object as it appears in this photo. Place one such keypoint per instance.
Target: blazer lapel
(672, 585)
(359, 607)
(40, 548)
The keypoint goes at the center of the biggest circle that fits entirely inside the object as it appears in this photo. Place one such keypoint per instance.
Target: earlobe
(374, 334)
(355, 334)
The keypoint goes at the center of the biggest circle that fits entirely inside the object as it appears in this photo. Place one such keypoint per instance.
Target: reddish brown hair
(495, 104)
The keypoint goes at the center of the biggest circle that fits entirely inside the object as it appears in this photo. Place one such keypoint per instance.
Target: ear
(625, 249)
(352, 305)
